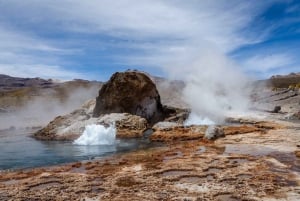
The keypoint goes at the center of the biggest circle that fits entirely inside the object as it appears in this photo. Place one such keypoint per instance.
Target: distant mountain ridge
(10, 83)
(284, 81)
(16, 91)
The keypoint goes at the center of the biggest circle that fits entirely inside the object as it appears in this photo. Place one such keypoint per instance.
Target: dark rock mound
(130, 92)
(276, 109)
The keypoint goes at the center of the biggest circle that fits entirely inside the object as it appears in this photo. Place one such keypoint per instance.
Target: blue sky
(68, 39)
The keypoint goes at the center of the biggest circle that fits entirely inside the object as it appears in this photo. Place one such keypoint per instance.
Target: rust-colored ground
(252, 162)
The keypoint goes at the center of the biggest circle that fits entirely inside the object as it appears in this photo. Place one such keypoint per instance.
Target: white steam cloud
(215, 88)
(196, 119)
(188, 38)
(41, 110)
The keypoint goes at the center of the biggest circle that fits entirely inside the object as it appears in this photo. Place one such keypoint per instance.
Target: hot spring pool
(18, 150)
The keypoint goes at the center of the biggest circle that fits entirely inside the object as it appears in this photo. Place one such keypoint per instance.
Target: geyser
(97, 135)
(215, 88)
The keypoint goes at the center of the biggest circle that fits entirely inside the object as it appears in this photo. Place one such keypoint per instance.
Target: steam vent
(130, 92)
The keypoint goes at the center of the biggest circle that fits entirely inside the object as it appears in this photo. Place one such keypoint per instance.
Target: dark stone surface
(130, 92)
(277, 109)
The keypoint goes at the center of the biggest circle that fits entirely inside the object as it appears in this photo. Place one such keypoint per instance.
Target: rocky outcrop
(71, 126)
(130, 92)
(68, 127)
(172, 131)
(177, 115)
(128, 125)
(129, 100)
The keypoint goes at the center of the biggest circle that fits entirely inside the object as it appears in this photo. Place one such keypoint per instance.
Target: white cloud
(15, 40)
(161, 32)
(22, 55)
(264, 63)
(218, 22)
(36, 70)
(190, 40)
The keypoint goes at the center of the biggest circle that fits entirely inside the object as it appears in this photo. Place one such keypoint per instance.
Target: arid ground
(257, 159)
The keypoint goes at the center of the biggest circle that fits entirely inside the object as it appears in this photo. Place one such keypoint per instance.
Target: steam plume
(215, 88)
(42, 109)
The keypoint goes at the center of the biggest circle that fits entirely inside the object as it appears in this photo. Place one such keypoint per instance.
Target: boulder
(276, 109)
(130, 92)
(214, 132)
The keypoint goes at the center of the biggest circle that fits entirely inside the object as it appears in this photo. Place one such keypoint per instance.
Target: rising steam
(42, 109)
(214, 89)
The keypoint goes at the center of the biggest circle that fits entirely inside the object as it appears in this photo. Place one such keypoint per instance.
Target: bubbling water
(97, 135)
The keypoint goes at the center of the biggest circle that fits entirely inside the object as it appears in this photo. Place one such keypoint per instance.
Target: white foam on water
(195, 119)
(97, 135)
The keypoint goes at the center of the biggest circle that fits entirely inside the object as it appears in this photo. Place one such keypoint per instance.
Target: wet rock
(71, 126)
(170, 131)
(126, 181)
(177, 115)
(166, 125)
(296, 115)
(297, 153)
(292, 116)
(130, 92)
(128, 126)
(214, 132)
(240, 129)
(277, 109)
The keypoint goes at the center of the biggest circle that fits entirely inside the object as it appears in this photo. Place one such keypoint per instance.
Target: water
(18, 150)
(97, 135)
